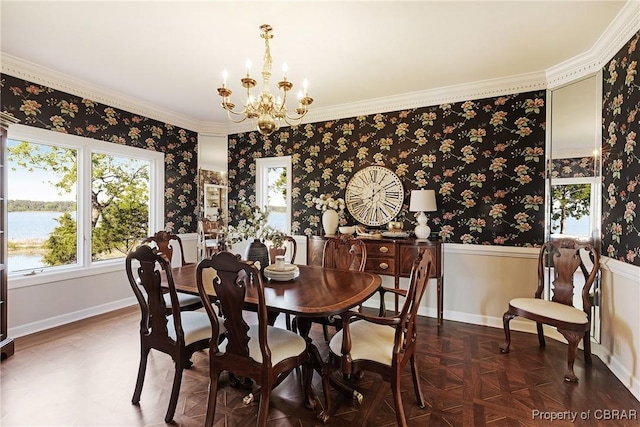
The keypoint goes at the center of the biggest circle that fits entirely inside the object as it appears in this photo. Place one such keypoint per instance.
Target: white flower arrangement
(325, 202)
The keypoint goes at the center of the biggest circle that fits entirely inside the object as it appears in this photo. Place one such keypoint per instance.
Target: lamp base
(422, 231)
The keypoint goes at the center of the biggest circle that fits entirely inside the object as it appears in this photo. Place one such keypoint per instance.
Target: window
(273, 190)
(76, 203)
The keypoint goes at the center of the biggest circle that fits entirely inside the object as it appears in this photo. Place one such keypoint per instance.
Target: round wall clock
(374, 195)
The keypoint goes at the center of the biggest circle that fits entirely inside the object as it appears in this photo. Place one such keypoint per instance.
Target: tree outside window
(117, 197)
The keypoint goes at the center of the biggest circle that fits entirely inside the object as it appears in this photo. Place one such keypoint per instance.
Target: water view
(29, 226)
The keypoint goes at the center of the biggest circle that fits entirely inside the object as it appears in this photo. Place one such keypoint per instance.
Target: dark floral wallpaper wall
(43, 107)
(621, 155)
(485, 159)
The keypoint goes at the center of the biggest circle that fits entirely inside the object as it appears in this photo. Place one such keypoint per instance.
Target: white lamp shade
(423, 201)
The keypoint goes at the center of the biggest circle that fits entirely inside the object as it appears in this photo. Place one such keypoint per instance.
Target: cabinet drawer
(381, 265)
(376, 249)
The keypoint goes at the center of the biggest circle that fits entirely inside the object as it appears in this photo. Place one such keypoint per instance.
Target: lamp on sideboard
(422, 201)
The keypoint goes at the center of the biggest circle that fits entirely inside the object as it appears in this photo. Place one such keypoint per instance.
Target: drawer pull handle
(384, 265)
(384, 249)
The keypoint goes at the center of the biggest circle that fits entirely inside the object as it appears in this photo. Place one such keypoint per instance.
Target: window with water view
(71, 206)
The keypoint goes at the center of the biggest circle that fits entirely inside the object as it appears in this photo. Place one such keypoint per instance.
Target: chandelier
(268, 111)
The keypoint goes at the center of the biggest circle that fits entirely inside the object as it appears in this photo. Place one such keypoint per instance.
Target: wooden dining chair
(383, 345)
(178, 334)
(343, 252)
(210, 238)
(289, 249)
(564, 257)
(164, 242)
(264, 353)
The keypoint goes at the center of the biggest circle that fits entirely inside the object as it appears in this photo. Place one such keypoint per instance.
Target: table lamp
(422, 201)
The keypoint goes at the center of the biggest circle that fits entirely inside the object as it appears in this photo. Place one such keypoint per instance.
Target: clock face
(374, 195)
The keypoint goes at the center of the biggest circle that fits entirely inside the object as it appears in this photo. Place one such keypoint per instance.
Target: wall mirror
(574, 177)
(215, 202)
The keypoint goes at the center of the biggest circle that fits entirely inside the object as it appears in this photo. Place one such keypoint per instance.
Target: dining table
(316, 292)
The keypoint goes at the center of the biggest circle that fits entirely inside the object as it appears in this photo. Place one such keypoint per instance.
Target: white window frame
(84, 148)
(262, 169)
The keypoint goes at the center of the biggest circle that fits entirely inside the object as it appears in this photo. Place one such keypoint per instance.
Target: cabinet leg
(440, 301)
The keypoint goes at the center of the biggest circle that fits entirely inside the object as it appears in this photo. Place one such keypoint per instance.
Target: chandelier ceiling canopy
(268, 111)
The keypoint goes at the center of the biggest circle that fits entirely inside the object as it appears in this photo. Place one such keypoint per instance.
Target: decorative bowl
(347, 229)
(395, 226)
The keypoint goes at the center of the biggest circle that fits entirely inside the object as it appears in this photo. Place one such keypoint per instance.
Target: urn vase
(258, 251)
(330, 221)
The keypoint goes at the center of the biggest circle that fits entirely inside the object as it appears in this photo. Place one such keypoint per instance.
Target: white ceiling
(169, 55)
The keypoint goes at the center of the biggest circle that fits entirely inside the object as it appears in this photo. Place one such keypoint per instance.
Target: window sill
(22, 280)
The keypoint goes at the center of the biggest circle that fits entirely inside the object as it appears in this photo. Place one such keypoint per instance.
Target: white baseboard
(53, 322)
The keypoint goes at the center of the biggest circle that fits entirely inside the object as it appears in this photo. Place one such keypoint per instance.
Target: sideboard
(391, 257)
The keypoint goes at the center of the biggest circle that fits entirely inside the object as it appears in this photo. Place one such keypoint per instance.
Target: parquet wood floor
(83, 374)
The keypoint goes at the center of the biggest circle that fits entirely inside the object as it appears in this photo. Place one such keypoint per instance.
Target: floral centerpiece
(252, 224)
(331, 209)
(326, 201)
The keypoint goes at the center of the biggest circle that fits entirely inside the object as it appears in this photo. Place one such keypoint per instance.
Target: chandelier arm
(293, 121)
(244, 117)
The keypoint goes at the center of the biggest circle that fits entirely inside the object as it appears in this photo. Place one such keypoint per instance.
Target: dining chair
(289, 249)
(210, 238)
(379, 344)
(264, 353)
(164, 241)
(563, 257)
(178, 334)
(342, 252)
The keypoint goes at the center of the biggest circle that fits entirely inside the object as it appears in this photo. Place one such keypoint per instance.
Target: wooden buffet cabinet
(391, 257)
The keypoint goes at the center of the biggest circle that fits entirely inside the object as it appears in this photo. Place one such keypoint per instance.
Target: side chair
(289, 249)
(342, 252)
(164, 241)
(178, 334)
(564, 257)
(264, 353)
(379, 344)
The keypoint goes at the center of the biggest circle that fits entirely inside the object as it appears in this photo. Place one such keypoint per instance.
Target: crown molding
(621, 29)
(619, 32)
(29, 71)
(443, 95)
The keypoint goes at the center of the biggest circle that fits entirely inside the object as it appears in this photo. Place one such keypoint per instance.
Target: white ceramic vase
(330, 222)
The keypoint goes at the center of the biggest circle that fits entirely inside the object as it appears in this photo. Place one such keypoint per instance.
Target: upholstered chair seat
(368, 341)
(282, 343)
(552, 311)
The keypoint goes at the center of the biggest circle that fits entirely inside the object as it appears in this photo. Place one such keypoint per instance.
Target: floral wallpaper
(621, 155)
(43, 107)
(484, 158)
(578, 167)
